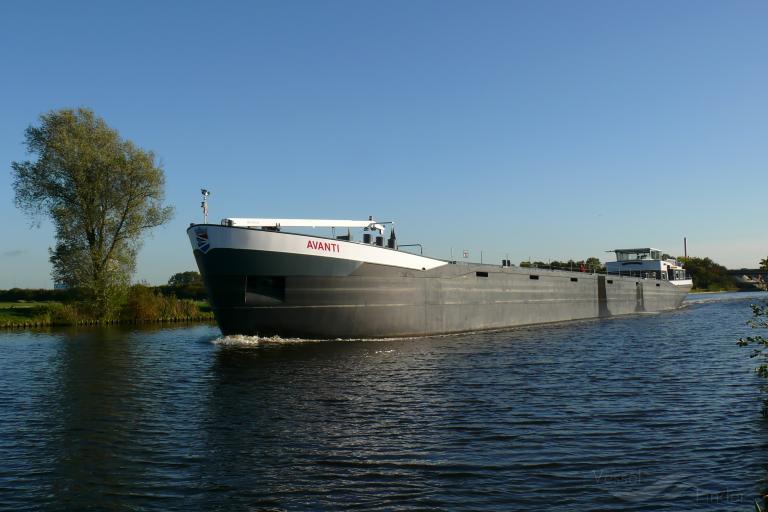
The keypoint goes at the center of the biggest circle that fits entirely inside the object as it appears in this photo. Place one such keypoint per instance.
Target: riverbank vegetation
(708, 276)
(759, 344)
(179, 302)
(102, 193)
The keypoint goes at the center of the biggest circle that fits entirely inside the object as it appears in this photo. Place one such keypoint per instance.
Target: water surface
(650, 412)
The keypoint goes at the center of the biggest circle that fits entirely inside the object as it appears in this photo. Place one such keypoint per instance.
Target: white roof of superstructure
(641, 249)
(305, 223)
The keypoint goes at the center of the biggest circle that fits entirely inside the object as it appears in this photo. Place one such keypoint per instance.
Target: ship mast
(204, 204)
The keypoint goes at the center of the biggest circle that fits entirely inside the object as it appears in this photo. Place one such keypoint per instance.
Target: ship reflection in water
(635, 413)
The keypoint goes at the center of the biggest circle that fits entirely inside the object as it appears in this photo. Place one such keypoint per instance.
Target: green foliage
(145, 304)
(65, 314)
(41, 295)
(185, 278)
(192, 291)
(187, 285)
(39, 314)
(13, 315)
(708, 275)
(758, 343)
(764, 264)
(101, 192)
(594, 264)
(25, 308)
(591, 264)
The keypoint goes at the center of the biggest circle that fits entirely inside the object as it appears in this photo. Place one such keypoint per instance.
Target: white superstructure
(648, 263)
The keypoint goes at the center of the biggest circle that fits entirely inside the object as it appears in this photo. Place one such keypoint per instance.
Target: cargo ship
(270, 277)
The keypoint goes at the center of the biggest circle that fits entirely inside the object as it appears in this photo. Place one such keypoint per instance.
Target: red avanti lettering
(323, 246)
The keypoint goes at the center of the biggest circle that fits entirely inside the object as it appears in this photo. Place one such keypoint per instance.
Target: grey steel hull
(271, 293)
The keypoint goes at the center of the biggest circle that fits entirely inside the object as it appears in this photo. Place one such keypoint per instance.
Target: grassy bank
(23, 314)
(144, 305)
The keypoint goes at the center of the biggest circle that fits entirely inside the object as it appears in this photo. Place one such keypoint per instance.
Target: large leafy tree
(764, 264)
(187, 278)
(102, 194)
(593, 264)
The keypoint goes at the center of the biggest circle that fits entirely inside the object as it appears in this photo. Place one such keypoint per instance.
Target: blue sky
(544, 130)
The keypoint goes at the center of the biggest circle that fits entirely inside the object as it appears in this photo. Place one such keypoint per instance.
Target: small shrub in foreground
(64, 314)
(147, 305)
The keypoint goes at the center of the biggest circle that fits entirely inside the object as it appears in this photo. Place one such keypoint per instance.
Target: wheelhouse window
(637, 254)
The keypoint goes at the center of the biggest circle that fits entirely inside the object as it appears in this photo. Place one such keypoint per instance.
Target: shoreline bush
(144, 305)
(148, 305)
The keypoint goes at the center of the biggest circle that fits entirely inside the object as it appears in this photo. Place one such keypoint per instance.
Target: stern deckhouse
(648, 263)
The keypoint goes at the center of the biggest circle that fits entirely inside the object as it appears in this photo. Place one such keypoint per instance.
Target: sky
(522, 129)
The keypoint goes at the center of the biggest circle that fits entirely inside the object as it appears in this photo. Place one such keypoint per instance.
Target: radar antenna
(204, 204)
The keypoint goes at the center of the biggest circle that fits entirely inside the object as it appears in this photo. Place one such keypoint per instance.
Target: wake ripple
(242, 340)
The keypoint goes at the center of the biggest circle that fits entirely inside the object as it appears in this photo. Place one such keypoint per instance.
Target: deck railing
(597, 270)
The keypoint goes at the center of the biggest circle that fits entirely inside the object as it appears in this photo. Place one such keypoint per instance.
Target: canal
(649, 412)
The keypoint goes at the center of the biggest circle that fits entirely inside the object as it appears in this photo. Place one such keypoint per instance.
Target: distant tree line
(708, 275)
(184, 285)
(591, 264)
(40, 295)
